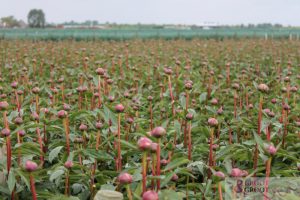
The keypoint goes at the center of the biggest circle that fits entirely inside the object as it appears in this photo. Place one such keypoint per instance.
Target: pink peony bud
(111, 99)
(35, 90)
(164, 162)
(5, 132)
(125, 178)
(220, 174)
(150, 98)
(3, 105)
(98, 125)
(220, 111)
(212, 122)
(30, 166)
(144, 143)
(83, 127)
(263, 87)
(35, 116)
(18, 120)
(21, 133)
(189, 116)
(150, 195)
(271, 150)
(67, 107)
(14, 84)
(154, 147)
(158, 132)
(119, 108)
(62, 114)
(214, 101)
(236, 172)
(100, 71)
(68, 164)
(175, 178)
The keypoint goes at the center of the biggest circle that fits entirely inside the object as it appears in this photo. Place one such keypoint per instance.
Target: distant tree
(10, 22)
(36, 18)
(278, 25)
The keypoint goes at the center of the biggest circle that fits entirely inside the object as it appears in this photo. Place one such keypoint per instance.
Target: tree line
(35, 19)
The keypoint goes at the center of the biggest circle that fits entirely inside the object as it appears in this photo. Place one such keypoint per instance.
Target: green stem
(144, 171)
(129, 195)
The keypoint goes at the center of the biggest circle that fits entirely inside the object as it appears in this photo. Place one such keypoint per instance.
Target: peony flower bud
(158, 132)
(30, 166)
(212, 122)
(144, 143)
(68, 164)
(150, 195)
(119, 108)
(125, 178)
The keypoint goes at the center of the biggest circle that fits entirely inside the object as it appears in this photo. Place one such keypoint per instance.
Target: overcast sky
(286, 12)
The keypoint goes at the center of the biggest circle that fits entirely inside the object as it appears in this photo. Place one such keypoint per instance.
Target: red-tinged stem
(67, 184)
(268, 170)
(80, 100)
(99, 91)
(230, 135)
(144, 171)
(8, 144)
(45, 133)
(98, 140)
(19, 151)
(190, 141)
(161, 93)
(171, 94)
(186, 123)
(153, 169)
(241, 102)
(220, 191)
(37, 103)
(92, 185)
(17, 101)
(5, 120)
(32, 187)
(209, 88)
(258, 132)
(269, 133)
(285, 131)
(247, 100)
(187, 100)
(65, 122)
(158, 164)
(127, 63)
(119, 158)
(288, 91)
(259, 115)
(121, 68)
(84, 139)
(185, 133)
(211, 148)
(62, 93)
(112, 65)
(235, 102)
(85, 66)
(38, 132)
(8, 152)
(151, 116)
(228, 74)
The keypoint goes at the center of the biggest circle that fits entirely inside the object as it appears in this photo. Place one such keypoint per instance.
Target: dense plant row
(146, 118)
